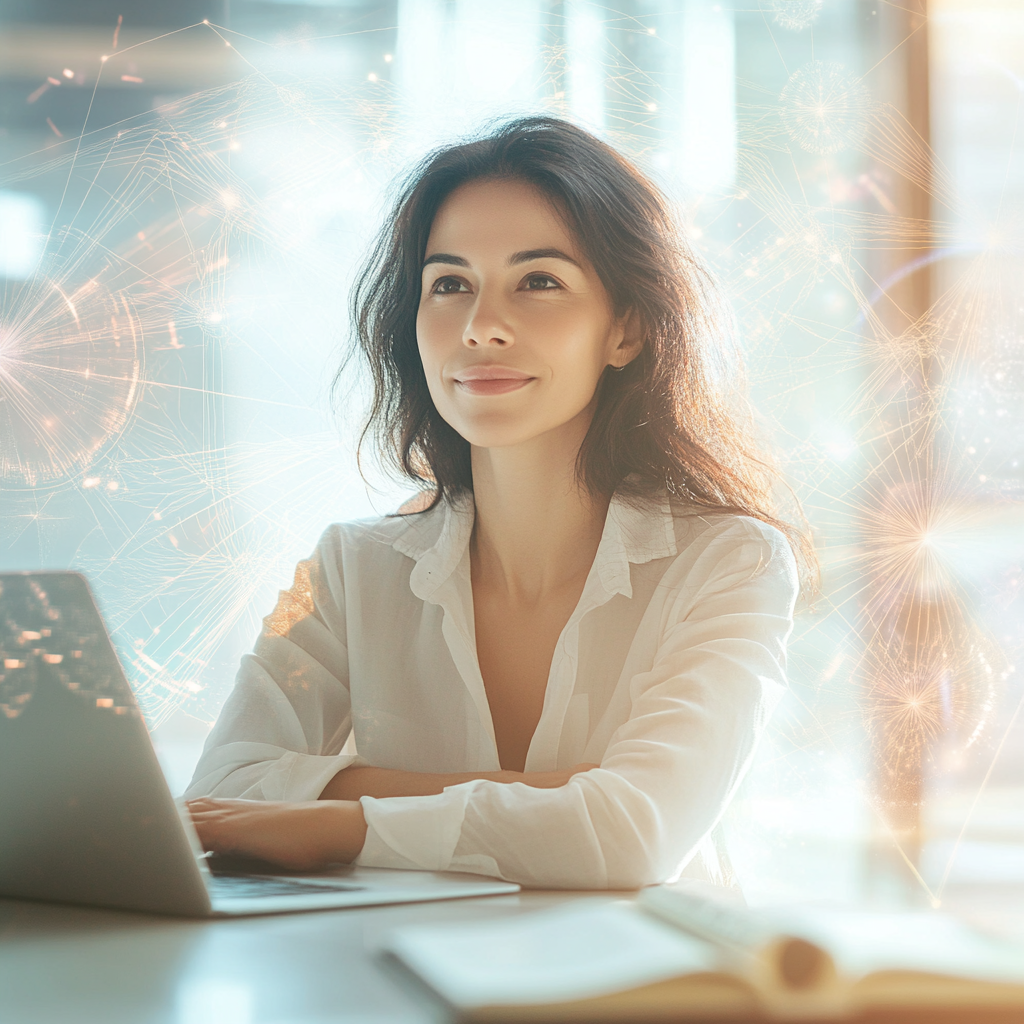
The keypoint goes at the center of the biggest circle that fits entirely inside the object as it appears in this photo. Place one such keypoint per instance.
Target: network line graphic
(165, 379)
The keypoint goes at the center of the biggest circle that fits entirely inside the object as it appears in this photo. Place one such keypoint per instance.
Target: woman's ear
(632, 341)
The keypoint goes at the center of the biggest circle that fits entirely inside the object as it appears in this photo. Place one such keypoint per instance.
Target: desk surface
(60, 964)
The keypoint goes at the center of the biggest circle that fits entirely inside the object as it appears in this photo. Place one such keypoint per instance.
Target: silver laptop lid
(85, 812)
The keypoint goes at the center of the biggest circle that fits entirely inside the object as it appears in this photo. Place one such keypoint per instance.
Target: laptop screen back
(85, 813)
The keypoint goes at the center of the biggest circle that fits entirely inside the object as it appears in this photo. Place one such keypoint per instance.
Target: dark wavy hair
(674, 418)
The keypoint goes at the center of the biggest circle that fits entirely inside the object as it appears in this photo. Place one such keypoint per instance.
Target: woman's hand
(299, 836)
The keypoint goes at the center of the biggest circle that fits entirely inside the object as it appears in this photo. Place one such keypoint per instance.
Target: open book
(676, 955)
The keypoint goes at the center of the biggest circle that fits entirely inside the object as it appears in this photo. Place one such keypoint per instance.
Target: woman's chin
(517, 431)
(497, 438)
(495, 429)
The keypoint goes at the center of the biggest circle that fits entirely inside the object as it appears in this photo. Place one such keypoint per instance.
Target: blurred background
(186, 189)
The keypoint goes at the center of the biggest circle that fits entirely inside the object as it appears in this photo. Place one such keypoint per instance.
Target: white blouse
(665, 675)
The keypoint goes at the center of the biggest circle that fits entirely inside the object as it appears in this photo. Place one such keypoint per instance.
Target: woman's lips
(493, 385)
(491, 380)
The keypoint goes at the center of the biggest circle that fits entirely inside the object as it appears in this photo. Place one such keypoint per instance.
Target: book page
(584, 949)
(862, 942)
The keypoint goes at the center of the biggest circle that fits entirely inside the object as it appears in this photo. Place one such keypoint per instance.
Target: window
(849, 168)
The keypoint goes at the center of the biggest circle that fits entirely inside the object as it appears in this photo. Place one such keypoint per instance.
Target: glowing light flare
(824, 108)
(910, 533)
(929, 665)
(67, 384)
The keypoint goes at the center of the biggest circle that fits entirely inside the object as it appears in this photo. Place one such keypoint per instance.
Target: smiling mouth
(494, 385)
(492, 380)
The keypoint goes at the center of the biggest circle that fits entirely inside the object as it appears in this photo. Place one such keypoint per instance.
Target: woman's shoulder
(403, 532)
(693, 523)
(729, 542)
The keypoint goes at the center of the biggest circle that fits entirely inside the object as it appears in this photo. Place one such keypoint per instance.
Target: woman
(557, 669)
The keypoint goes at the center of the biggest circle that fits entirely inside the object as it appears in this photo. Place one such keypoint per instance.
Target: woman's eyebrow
(541, 254)
(446, 257)
(525, 256)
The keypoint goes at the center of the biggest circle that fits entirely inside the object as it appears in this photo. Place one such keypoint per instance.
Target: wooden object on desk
(695, 959)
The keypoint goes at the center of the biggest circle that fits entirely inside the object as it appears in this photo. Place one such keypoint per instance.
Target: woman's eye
(541, 283)
(447, 286)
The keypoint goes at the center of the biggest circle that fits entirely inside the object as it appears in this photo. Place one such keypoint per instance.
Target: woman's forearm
(352, 783)
(355, 782)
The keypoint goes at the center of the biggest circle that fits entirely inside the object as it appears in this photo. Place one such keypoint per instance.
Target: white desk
(71, 965)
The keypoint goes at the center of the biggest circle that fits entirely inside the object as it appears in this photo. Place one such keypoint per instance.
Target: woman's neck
(537, 529)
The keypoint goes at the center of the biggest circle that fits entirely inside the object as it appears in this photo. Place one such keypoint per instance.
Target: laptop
(85, 813)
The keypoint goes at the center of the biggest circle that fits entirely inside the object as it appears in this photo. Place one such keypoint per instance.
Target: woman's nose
(487, 325)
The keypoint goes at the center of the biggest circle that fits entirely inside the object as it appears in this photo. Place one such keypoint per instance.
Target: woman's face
(514, 326)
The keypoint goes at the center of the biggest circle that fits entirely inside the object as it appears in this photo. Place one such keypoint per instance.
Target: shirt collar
(636, 530)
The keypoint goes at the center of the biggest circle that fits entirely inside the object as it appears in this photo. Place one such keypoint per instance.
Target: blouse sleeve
(280, 733)
(669, 770)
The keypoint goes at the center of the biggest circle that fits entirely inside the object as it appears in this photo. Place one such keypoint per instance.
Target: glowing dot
(104, 702)
(371, 77)
(214, 318)
(104, 58)
(91, 481)
(112, 485)
(206, 21)
(651, 107)
(68, 73)
(388, 58)
(652, 31)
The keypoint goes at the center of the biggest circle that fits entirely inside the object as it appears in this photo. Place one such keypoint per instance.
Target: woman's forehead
(491, 214)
